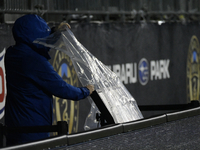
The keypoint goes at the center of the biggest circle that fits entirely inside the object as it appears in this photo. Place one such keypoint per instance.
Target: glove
(90, 88)
(63, 26)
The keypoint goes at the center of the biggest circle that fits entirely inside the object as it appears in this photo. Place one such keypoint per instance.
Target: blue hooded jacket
(31, 81)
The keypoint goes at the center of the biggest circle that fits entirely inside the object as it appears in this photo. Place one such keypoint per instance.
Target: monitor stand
(104, 117)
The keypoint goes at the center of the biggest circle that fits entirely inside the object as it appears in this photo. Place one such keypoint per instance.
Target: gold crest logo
(193, 70)
(66, 110)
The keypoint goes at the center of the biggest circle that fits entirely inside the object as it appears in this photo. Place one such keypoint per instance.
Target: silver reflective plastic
(121, 105)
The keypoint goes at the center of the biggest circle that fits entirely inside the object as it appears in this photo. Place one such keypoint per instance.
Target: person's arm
(51, 82)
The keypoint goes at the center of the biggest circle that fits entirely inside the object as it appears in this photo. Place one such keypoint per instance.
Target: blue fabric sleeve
(51, 82)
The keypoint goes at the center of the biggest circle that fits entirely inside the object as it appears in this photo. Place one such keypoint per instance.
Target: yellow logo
(66, 110)
(193, 70)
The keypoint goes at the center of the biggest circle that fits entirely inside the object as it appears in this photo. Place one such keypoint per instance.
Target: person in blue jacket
(31, 81)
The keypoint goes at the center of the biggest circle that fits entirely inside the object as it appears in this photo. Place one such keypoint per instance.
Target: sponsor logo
(66, 110)
(143, 71)
(193, 70)
(160, 69)
(146, 71)
(2, 84)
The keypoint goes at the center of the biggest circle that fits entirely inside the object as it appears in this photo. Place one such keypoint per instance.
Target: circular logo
(143, 72)
(66, 110)
(193, 70)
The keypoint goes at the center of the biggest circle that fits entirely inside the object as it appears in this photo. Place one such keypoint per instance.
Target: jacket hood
(28, 28)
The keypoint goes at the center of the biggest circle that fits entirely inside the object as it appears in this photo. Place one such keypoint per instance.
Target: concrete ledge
(94, 134)
(42, 144)
(183, 114)
(144, 123)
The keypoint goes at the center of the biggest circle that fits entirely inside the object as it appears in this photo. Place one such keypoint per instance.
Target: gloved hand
(90, 88)
(63, 26)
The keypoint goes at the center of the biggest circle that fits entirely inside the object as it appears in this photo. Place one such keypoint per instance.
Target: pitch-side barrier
(180, 127)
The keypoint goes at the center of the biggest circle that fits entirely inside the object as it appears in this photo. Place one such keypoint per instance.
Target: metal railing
(103, 5)
(122, 9)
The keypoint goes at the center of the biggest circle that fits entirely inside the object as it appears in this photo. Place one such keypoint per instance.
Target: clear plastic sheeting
(121, 105)
(91, 121)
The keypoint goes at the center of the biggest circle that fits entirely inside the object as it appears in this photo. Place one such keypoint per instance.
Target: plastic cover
(121, 105)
